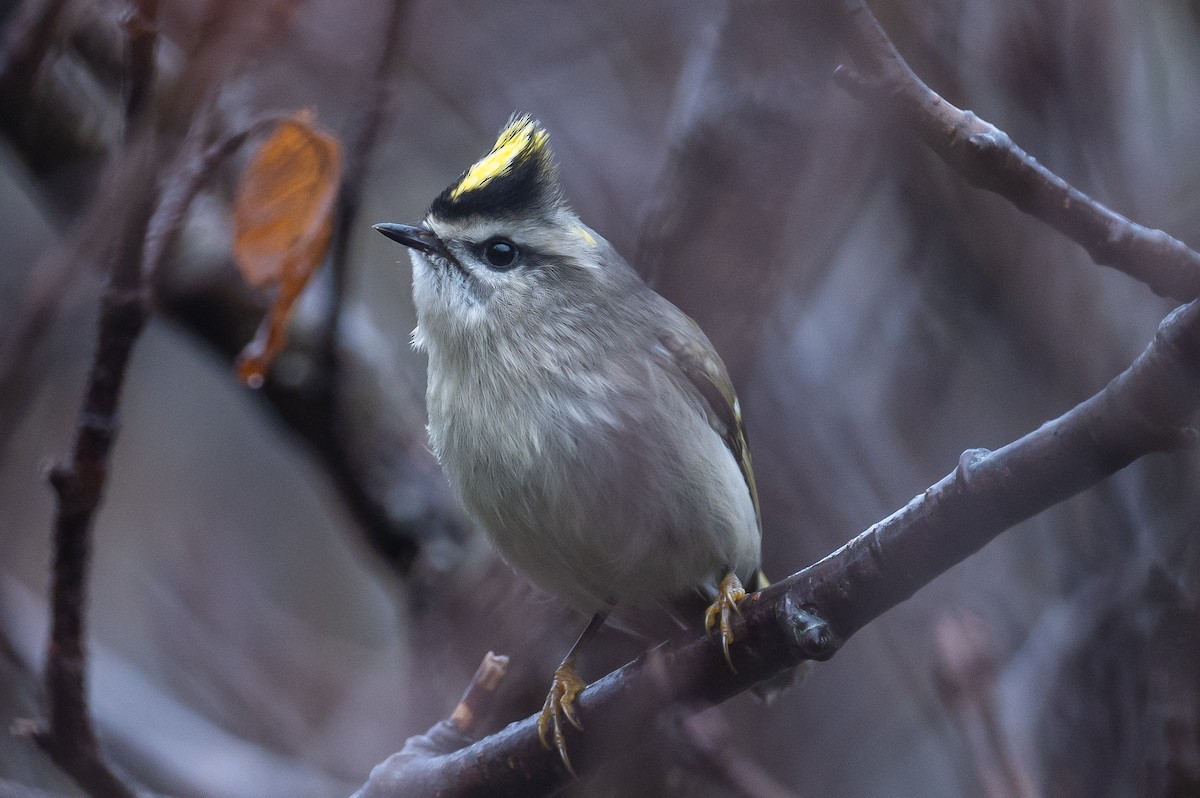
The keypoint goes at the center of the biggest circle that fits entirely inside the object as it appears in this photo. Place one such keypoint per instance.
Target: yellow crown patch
(522, 138)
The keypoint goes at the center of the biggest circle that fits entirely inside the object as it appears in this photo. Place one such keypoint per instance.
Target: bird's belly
(590, 514)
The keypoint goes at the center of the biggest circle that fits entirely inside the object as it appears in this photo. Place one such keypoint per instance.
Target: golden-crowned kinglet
(585, 421)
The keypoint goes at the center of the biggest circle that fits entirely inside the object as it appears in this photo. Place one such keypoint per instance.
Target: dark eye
(500, 253)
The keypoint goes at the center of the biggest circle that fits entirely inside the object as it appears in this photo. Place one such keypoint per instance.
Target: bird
(584, 421)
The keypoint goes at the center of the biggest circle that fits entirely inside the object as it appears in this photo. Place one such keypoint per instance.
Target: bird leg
(565, 687)
(730, 593)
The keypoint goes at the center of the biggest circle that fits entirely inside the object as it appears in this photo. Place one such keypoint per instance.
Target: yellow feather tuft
(522, 138)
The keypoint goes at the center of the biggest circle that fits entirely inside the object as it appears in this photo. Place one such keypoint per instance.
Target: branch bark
(464, 725)
(987, 158)
(79, 482)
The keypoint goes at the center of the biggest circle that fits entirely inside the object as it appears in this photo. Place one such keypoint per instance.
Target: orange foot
(730, 593)
(560, 703)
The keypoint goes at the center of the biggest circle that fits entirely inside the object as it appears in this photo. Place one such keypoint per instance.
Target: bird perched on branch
(584, 420)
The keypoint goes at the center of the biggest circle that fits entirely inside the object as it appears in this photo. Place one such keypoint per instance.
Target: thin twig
(471, 712)
(199, 159)
(987, 158)
(460, 729)
(51, 282)
(150, 223)
(79, 483)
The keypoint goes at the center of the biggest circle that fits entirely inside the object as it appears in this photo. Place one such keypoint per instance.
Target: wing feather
(695, 357)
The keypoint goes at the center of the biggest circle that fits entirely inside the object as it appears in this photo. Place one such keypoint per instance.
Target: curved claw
(560, 703)
(730, 593)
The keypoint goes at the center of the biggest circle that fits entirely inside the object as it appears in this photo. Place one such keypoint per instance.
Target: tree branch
(150, 222)
(460, 729)
(79, 482)
(987, 158)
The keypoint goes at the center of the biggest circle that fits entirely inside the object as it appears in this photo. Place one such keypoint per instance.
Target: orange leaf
(283, 219)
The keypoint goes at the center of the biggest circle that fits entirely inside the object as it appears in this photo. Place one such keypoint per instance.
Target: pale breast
(596, 492)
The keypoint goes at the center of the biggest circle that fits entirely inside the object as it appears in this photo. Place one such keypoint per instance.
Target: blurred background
(283, 589)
